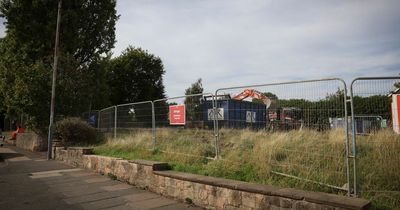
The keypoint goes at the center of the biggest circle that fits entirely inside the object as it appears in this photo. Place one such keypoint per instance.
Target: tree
(87, 34)
(194, 103)
(135, 76)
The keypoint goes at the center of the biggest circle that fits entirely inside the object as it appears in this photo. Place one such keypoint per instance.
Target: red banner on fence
(177, 115)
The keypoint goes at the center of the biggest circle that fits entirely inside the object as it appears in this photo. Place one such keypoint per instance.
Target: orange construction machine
(253, 94)
(279, 118)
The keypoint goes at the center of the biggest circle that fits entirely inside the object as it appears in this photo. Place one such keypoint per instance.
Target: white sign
(396, 112)
(219, 113)
(250, 117)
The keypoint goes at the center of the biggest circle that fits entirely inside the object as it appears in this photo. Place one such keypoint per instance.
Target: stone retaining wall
(31, 142)
(208, 192)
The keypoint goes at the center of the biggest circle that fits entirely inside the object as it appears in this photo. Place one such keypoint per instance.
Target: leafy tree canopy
(135, 76)
(195, 88)
(87, 33)
(193, 103)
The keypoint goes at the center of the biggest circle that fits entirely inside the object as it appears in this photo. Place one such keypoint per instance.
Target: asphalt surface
(29, 181)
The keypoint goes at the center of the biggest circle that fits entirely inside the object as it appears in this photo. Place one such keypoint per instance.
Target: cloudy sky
(244, 42)
(256, 41)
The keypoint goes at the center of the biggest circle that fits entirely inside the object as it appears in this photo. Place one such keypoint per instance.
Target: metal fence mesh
(106, 121)
(134, 121)
(298, 132)
(377, 135)
(295, 134)
(180, 127)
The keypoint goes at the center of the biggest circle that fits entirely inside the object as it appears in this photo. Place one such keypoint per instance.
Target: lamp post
(53, 87)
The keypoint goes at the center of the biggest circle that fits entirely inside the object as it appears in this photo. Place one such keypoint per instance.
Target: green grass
(253, 156)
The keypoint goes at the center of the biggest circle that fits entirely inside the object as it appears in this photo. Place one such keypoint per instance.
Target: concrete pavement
(29, 181)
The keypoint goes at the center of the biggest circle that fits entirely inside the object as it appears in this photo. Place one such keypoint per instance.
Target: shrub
(74, 131)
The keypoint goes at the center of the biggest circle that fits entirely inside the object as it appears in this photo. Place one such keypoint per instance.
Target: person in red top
(20, 129)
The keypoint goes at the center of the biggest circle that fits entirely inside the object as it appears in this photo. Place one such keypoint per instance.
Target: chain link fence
(287, 129)
(376, 139)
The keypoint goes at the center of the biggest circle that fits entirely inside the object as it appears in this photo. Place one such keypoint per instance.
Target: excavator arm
(253, 94)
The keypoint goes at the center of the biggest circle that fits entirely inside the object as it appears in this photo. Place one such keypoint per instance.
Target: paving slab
(97, 179)
(177, 206)
(132, 198)
(82, 189)
(60, 180)
(41, 176)
(31, 182)
(80, 192)
(105, 203)
(122, 186)
(17, 159)
(121, 207)
(80, 174)
(151, 203)
(89, 198)
(57, 171)
(71, 183)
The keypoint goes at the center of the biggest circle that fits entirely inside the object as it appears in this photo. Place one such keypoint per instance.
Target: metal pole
(115, 121)
(153, 125)
(347, 141)
(98, 120)
(53, 87)
(354, 140)
(215, 120)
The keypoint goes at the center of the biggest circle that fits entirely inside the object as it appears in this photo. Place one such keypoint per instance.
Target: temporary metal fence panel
(106, 121)
(181, 126)
(135, 122)
(376, 138)
(288, 132)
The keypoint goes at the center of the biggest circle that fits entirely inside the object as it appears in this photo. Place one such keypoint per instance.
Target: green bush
(73, 131)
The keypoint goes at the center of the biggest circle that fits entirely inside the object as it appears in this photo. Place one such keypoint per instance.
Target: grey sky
(251, 42)
(2, 29)
(244, 42)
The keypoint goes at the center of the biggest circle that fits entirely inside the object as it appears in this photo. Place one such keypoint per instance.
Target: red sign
(177, 115)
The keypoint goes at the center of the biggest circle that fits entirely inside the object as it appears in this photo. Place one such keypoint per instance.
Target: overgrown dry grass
(259, 156)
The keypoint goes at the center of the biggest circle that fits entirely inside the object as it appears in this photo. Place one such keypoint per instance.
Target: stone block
(30, 141)
(263, 202)
(286, 203)
(248, 200)
(211, 190)
(301, 205)
(336, 200)
(275, 201)
(229, 207)
(289, 193)
(155, 165)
